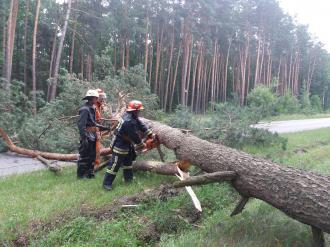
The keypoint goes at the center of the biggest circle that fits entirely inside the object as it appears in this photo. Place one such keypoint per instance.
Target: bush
(231, 125)
(305, 103)
(316, 103)
(287, 104)
(15, 107)
(263, 100)
(182, 118)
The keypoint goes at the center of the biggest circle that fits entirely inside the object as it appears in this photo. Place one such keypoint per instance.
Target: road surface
(294, 125)
(13, 164)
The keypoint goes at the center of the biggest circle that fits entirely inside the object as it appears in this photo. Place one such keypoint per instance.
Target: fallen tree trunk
(302, 195)
(47, 155)
(169, 168)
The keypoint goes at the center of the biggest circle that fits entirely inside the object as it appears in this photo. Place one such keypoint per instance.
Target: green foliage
(231, 125)
(305, 102)
(15, 107)
(182, 118)
(287, 104)
(316, 103)
(262, 100)
(103, 65)
(46, 131)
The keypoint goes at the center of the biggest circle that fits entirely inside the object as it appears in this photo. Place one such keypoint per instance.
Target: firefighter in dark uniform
(87, 129)
(125, 142)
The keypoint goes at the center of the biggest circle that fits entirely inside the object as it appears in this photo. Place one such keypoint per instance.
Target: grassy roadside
(41, 196)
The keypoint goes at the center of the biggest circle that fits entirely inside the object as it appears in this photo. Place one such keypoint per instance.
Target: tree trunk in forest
(51, 65)
(169, 70)
(4, 41)
(27, 10)
(72, 46)
(122, 54)
(159, 44)
(256, 74)
(191, 46)
(146, 50)
(174, 78)
(151, 58)
(302, 195)
(194, 78)
(226, 72)
(34, 51)
(127, 53)
(59, 53)
(11, 28)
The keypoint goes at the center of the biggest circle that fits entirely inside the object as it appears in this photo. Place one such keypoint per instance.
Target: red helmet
(135, 105)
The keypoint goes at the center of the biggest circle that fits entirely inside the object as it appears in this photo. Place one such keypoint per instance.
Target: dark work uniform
(123, 152)
(87, 151)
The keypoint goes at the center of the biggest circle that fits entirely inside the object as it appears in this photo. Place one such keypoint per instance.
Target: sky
(314, 13)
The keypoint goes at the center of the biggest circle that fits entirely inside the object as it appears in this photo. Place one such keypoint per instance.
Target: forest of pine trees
(194, 52)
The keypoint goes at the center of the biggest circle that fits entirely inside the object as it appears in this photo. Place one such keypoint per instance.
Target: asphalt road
(11, 163)
(294, 125)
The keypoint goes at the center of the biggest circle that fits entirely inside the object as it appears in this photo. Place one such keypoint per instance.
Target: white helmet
(91, 93)
(102, 94)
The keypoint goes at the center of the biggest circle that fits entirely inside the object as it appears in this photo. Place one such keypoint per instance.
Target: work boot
(91, 174)
(107, 187)
(81, 170)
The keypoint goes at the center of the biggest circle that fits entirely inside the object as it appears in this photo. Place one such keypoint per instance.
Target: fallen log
(302, 195)
(169, 168)
(47, 155)
(50, 165)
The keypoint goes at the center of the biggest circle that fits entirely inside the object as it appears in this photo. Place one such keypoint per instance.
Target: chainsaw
(151, 143)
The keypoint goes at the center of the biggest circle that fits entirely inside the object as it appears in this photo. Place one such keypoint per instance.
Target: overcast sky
(315, 13)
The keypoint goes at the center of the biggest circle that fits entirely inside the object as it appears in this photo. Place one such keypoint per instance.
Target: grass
(42, 196)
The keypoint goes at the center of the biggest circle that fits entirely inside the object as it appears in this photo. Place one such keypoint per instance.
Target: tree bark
(72, 46)
(146, 47)
(26, 19)
(34, 50)
(59, 53)
(302, 195)
(11, 28)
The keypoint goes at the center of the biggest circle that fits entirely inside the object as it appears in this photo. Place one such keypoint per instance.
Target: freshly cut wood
(302, 195)
(206, 179)
(183, 176)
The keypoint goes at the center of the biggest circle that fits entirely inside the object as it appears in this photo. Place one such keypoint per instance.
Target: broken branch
(240, 206)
